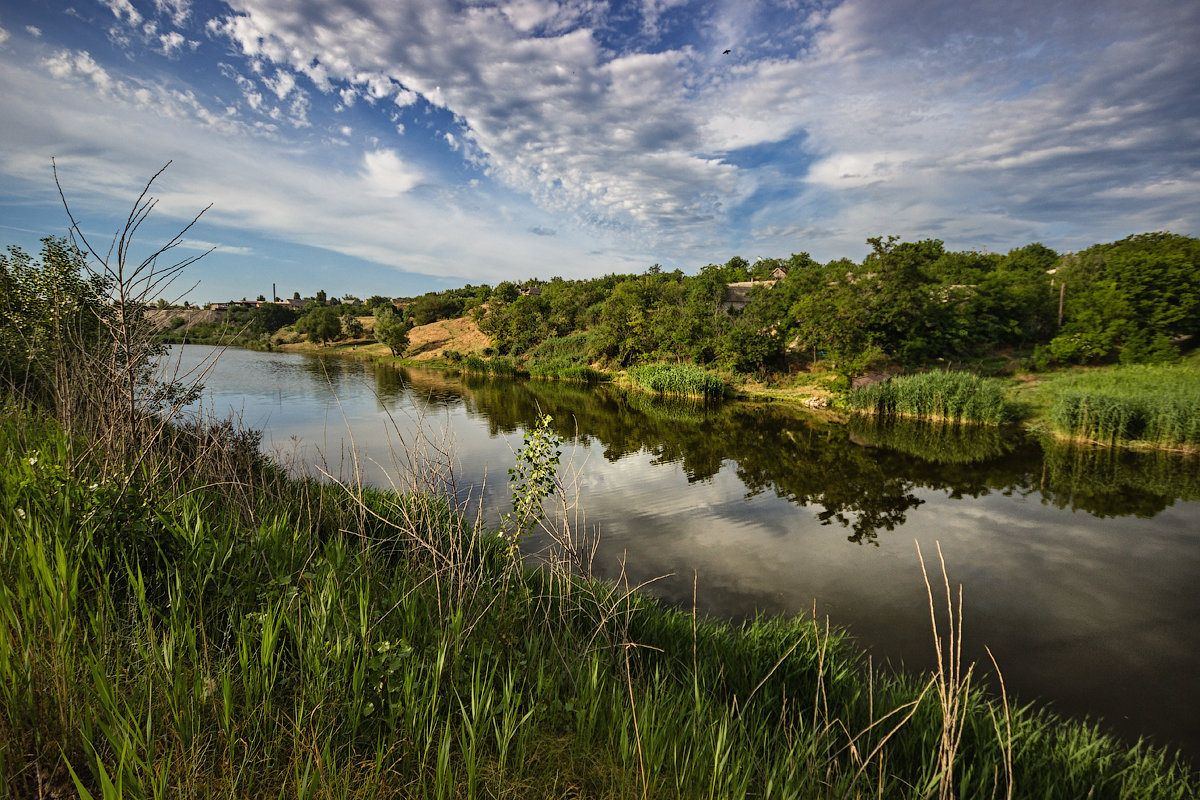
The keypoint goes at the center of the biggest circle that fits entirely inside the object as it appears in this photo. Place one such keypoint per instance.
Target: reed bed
(499, 366)
(565, 370)
(941, 395)
(1152, 405)
(163, 637)
(682, 380)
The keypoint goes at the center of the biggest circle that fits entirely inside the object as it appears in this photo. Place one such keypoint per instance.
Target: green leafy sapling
(532, 479)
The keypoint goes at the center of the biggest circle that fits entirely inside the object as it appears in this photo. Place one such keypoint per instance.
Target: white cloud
(123, 10)
(282, 84)
(80, 67)
(33, 31)
(171, 43)
(203, 246)
(387, 175)
(4, 35)
(525, 15)
(177, 10)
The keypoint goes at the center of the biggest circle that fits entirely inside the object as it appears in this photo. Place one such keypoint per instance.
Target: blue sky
(400, 146)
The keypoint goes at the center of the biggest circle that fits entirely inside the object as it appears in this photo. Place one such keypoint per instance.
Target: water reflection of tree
(330, 372)
(863, 475)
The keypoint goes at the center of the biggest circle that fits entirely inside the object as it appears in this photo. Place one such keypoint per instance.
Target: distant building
(737, 295)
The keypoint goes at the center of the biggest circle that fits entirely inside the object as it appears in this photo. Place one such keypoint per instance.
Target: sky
(401, 146)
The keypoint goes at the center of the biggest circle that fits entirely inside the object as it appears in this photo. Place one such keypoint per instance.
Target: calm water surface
(1079, 567)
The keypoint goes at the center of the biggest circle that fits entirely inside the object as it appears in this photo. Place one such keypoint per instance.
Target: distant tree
(295, 295)
(351, 327)
(433, 306)
(377, 300)
(322, 324)
(270, 317)
(391, 329)
(506, 292)
(261, 299)
(321, 296)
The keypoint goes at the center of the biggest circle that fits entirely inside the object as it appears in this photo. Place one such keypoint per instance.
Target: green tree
(391, 329)
(1136, 298)
(46, 307)
(433, 306)
(376, 300)
(270, 317)
(351, 327)
(321, 323)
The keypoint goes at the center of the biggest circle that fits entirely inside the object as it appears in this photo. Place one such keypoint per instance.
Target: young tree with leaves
(391, 329)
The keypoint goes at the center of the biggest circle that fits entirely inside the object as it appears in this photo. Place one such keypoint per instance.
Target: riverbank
(206, 626)
(1033, 399)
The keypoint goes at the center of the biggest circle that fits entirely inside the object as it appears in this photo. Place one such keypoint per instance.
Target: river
(1079, 566)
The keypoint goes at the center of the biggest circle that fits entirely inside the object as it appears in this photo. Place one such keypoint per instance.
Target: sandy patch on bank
(427, 342)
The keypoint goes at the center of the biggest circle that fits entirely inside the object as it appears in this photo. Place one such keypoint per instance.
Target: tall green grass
(565, 371)
(938, 396)
(1155, 405)
(684, 380)
(499, 366)
(162, 636)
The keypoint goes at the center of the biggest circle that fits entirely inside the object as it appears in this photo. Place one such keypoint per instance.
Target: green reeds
(684, 380)
(498, 366)
(562, 370)
(1155, 405)
(936, 396)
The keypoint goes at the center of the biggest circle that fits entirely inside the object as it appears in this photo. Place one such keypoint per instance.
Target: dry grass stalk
(951, 681)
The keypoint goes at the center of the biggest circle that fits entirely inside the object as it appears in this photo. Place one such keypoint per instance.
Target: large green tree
(391, 329)
(1137, 298)
(321, 323)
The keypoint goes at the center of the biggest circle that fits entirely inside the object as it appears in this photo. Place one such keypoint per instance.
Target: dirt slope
(431, 341)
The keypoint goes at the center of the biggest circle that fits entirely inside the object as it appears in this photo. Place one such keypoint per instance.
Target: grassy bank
(1153, 406)
(199, 625)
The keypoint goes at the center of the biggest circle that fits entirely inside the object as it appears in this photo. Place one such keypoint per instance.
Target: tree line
(1136, 300)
